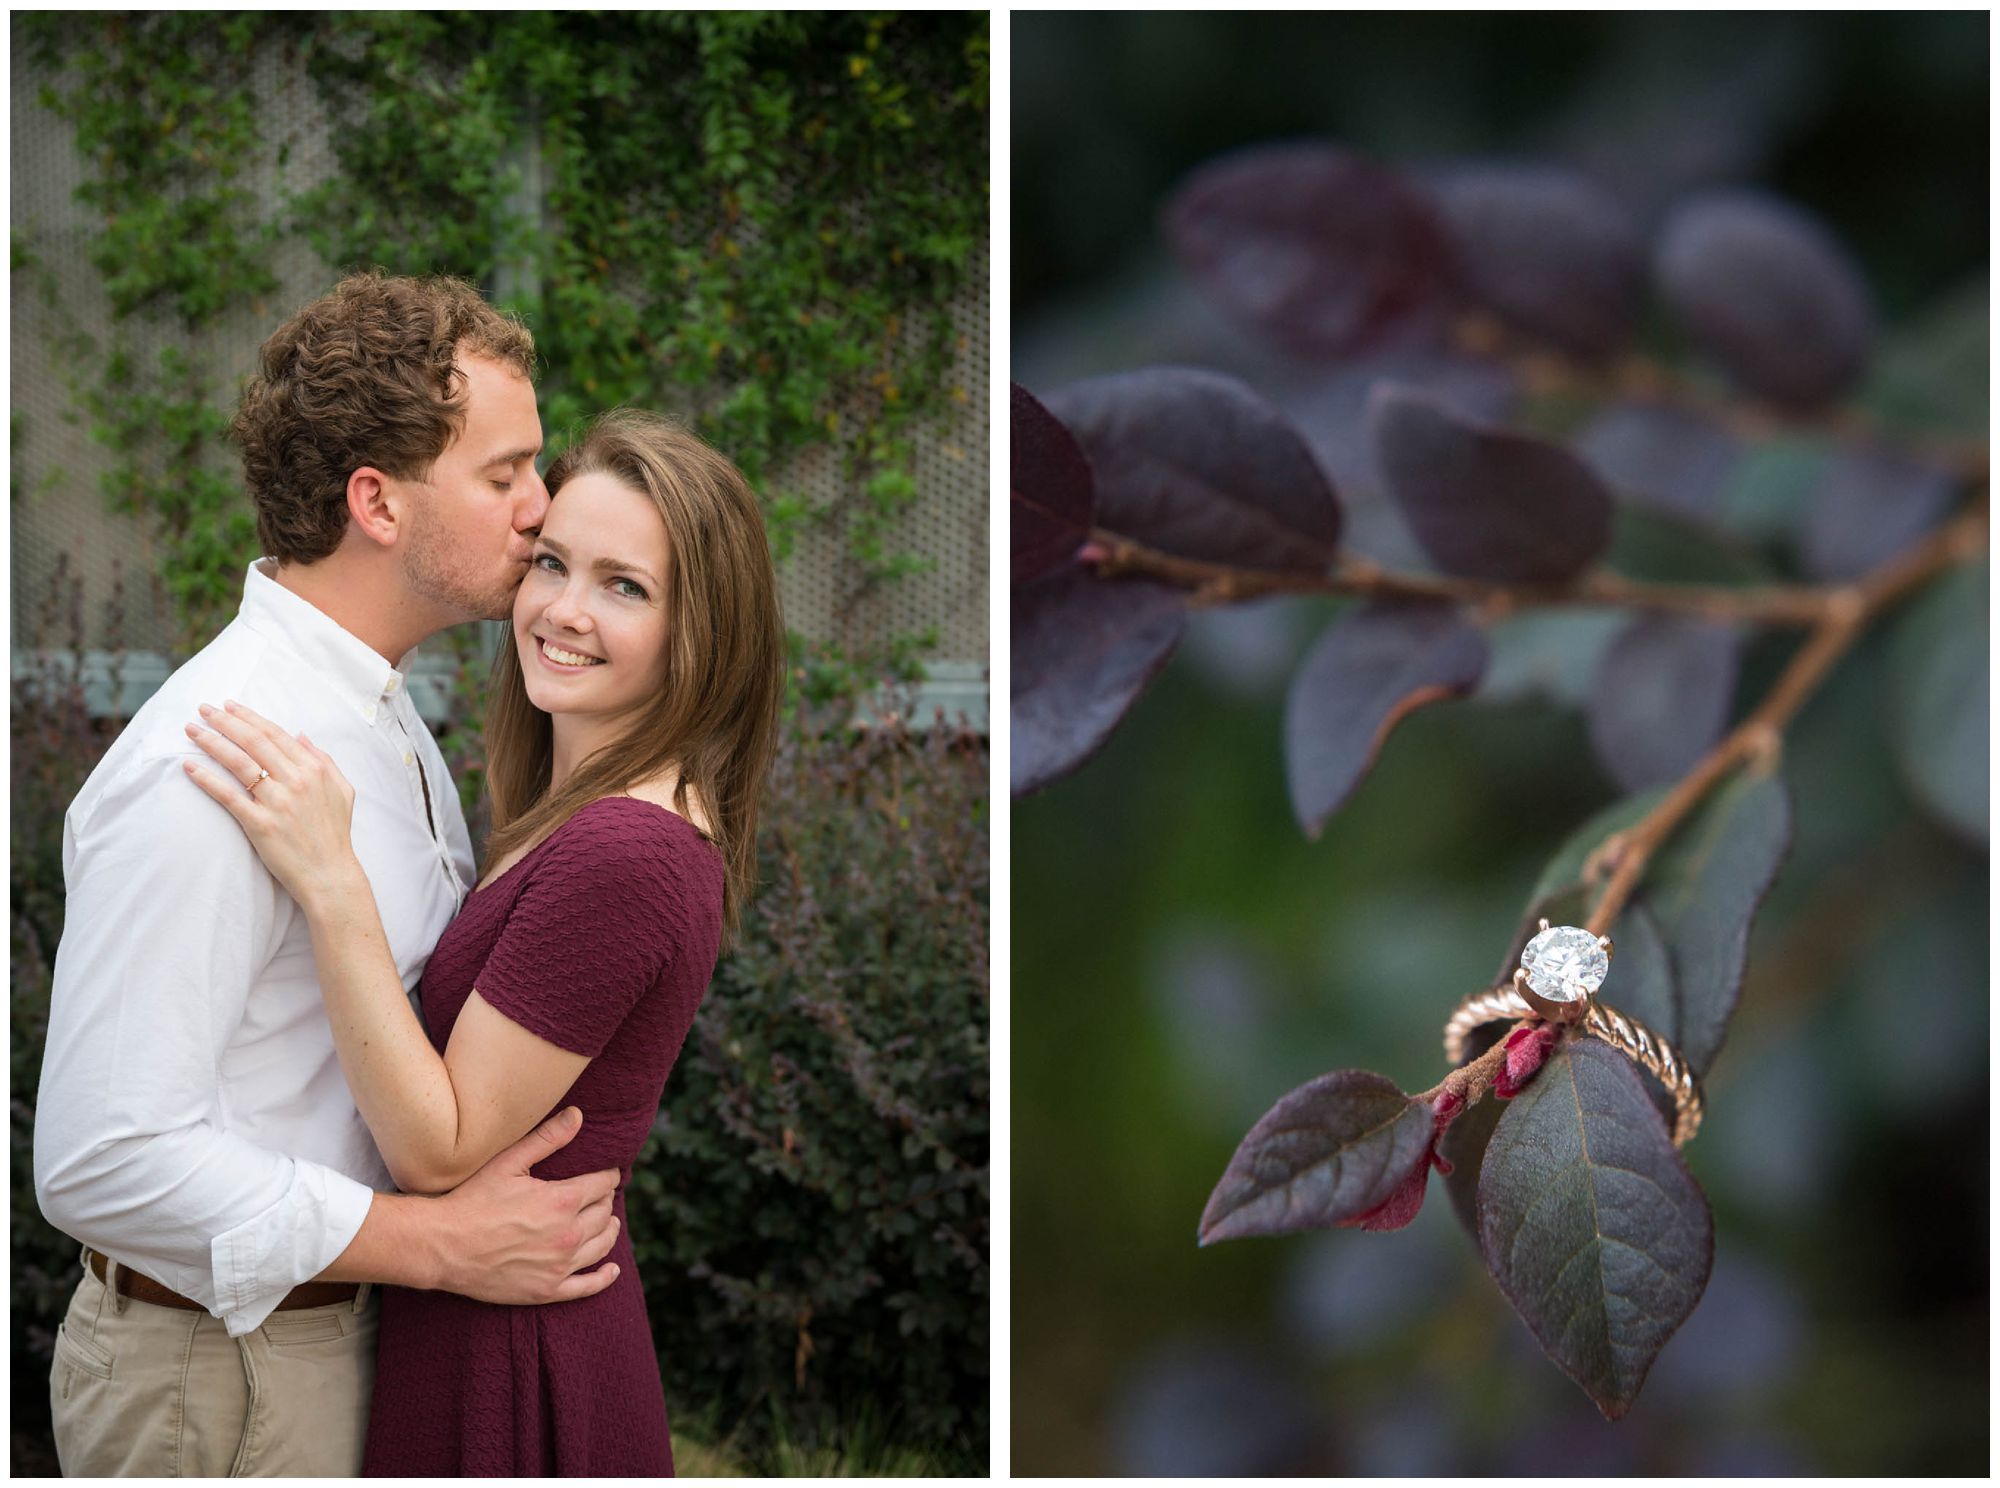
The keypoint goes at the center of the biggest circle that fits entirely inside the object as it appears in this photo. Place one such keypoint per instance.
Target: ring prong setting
(1561, 967)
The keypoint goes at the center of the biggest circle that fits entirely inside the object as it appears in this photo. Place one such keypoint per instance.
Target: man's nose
(533, 506)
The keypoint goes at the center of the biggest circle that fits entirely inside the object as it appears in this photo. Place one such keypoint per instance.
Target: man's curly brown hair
(366, 375)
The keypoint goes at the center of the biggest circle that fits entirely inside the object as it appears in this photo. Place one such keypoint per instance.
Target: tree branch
(1758, 739)
(1638, 378)
(1219, 583)
(1473, 1080)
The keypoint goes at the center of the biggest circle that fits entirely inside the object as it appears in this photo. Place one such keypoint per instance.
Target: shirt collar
(356, 668)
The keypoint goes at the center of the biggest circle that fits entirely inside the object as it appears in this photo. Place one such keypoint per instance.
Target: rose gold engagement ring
(1561, 967)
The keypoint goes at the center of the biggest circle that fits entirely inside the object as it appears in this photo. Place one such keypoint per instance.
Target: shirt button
(369, 712)
(408, 758)
(394, 683)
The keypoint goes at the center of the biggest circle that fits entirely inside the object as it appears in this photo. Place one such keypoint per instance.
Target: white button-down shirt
(193, 1122)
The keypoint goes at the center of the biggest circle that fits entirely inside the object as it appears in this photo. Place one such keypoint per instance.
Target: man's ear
(374, 505)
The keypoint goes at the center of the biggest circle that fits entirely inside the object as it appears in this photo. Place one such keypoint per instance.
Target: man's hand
(520, 1240)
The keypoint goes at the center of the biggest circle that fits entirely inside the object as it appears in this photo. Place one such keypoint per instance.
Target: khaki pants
(141, 1390)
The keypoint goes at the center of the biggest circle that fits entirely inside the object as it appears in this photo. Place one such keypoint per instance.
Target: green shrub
(811, 1215)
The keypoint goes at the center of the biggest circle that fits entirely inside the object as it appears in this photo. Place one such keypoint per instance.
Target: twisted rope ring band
(1628, 1035)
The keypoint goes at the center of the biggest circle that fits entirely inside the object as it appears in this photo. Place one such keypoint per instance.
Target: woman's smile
(564, 660)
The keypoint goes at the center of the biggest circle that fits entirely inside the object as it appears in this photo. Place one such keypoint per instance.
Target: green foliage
(163, 114)
(1941, 721)
(814, 1205)
(756, 220)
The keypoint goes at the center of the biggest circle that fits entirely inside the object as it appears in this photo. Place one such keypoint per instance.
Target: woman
(628, 734)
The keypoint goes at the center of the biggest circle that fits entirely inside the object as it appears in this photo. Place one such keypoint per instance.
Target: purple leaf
(1312, 244)
(1869, 505)
(1368, 671)
(1196, 464)
(1331, 413)
(1941, 719)
(1464, 1146)
(1662, 696)
(1547, 250)
(1485, 502)
(1331, 1151)
(1665, 459)
(1084, 649)
(1591, 1223)
(1052, 509)
(1769, 293)
(1406, 1200)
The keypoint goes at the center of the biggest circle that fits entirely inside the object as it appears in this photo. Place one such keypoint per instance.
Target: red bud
(1526, 1049)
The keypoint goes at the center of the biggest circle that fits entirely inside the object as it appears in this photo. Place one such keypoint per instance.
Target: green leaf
(1701, 890)
(1591, 1223)
(1931, 376)
(1766, 494)
(1663, 549)
(1940, 723)
(1704, 887)
(1329, 1151)
(1565, 870)
(1549, 654)
(1644, 967)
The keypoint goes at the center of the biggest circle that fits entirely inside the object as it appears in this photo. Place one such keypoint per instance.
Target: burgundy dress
(600, 939)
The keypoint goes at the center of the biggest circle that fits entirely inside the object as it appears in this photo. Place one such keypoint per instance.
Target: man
(194, 1130)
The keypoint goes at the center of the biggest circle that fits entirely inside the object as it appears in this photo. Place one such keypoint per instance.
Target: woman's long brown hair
(716, 718)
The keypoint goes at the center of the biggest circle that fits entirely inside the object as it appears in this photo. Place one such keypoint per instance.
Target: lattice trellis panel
(60, 512)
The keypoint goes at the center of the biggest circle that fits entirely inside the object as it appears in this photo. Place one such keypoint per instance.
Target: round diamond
(1564, 963)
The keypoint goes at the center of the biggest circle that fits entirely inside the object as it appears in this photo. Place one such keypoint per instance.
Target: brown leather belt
(142, 1288)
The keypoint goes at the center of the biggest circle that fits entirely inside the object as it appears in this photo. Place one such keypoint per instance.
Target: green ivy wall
(772, 224)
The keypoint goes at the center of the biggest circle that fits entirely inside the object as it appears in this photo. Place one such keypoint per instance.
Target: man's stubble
(436, 573)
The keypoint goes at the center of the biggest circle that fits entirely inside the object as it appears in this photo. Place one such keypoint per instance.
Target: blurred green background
(1182, 956)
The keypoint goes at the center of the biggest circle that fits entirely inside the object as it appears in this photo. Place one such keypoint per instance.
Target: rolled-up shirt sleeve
(170, 918)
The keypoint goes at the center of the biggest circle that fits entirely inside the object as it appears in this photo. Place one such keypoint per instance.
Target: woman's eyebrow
(602, 565)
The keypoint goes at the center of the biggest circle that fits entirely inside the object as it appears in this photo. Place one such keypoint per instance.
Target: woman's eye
(548, 561)
(630, 590)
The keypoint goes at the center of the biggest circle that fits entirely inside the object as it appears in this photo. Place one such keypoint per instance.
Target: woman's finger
(224, 751)
(253, 741)
(232, 797)
(283, 742)
(269, 751)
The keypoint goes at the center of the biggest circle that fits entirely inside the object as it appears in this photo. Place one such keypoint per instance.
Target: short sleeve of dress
(595, 925)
